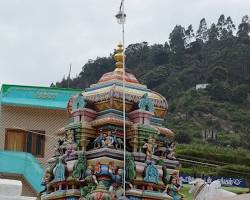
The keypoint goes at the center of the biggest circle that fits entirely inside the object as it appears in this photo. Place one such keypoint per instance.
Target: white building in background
(201, 86)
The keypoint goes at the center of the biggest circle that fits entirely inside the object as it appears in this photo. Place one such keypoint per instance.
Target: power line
(195, 163)
(201, 159)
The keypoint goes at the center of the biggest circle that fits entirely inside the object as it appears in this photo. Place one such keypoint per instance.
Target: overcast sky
(39, 39)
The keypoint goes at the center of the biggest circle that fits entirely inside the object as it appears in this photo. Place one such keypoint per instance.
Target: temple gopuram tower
(89, 158)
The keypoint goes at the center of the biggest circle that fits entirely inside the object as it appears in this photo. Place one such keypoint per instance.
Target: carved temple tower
(88, 161)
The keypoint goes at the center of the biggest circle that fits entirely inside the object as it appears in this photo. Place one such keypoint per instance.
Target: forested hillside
(218, 55)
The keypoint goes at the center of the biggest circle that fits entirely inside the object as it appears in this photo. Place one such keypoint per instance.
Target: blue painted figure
(115, 139)
(117, 142)
(152, 174)
(99, 141)
(59, 171)
(79, 102)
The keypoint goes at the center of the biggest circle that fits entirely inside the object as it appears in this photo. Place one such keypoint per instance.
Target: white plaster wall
(12, 190)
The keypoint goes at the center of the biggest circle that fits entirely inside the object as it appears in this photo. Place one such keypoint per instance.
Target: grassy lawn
(188, 196)
(185, 190)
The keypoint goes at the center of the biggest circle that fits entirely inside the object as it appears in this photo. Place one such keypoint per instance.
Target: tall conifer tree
(189, 36)
(221, 26)
(244, 29)
(230, 26)
(202, 33)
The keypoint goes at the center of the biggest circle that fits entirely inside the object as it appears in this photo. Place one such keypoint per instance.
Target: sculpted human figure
(59, 171)
(109, 140)
(171, 150)
(145, 103)
(149, 146)
(71, 146)
(173, 189)
(100, 140)
(70, 136)
(48, 177)
(59, 148)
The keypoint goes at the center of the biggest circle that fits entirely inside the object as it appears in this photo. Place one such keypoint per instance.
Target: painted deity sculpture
(99, 141)
(80, 167)
(151, 174)
(100, 193)
(173, 188)
(130, 168)
(79, 102)
(91, 182)
(48, 177)
(109, 140)
(171, 151)
(166, 151)
(145, 103)
(70, 144)
(59, 171)
(149, 146)
(117, 142)
(59, 150)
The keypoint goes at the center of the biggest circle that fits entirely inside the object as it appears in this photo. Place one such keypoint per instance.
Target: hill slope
(218, 55)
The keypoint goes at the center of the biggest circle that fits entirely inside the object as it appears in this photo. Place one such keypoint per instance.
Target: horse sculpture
(203, 191)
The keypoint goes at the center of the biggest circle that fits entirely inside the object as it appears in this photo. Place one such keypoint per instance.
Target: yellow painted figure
(149, 146)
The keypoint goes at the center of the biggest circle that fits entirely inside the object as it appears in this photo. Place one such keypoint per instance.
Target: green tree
(230, 27)
(218, 73)
(240, 93)
(202, 32)
(189, 36)
(177, 40)
(220, 91)
(159, 54)
(221, 26)
(244, 29)
(213, 33)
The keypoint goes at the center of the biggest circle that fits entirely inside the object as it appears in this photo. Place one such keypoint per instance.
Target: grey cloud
(39, 39)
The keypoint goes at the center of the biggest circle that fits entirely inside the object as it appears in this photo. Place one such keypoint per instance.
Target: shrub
(183, 137)
(240, 93)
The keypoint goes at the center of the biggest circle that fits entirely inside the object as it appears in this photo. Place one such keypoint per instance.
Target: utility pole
(69, 74)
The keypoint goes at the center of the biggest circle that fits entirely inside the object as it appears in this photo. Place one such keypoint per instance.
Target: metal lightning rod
(121, 20)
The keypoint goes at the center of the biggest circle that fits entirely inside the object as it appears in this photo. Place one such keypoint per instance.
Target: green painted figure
(146, 104)
(80, 167)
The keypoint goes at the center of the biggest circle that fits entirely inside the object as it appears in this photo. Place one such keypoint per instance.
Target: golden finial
(119, 57)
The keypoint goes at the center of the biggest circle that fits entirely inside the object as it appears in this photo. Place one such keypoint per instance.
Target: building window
(25, 141)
